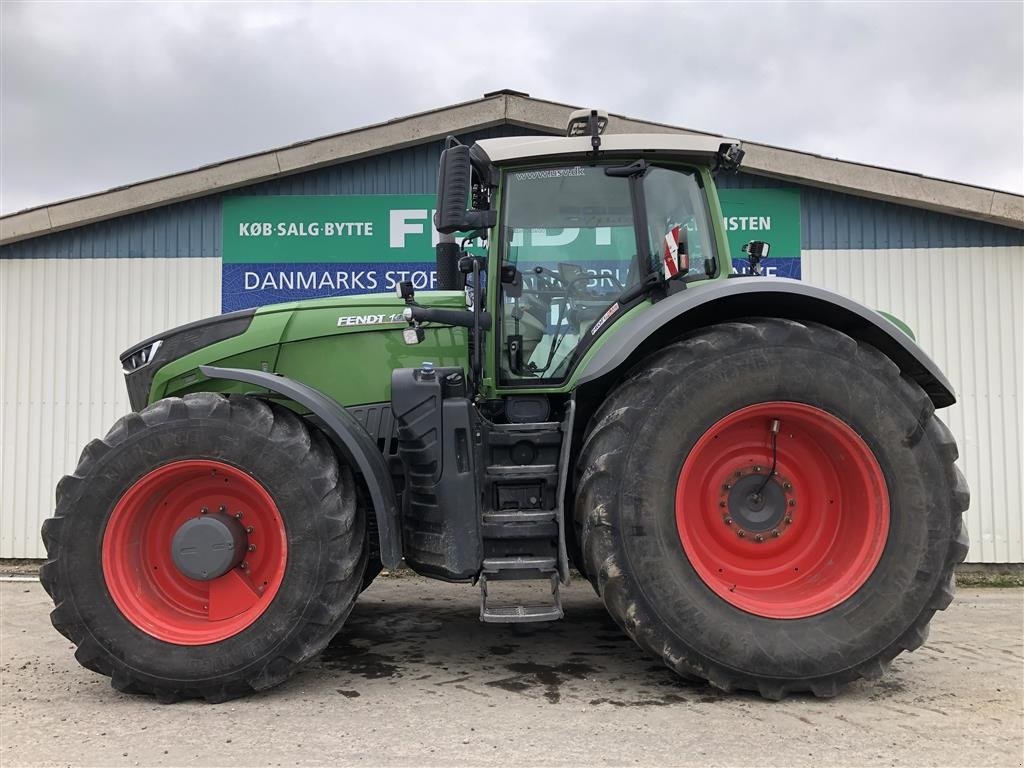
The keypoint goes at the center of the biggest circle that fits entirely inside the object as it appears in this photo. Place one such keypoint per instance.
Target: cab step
(516, 569)
(507, 568)
(520, 523)
(519, 516)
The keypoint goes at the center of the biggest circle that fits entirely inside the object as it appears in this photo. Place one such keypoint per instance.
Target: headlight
(140, 358)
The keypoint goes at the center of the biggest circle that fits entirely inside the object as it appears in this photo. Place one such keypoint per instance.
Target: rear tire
(656, 569)
(138, 619)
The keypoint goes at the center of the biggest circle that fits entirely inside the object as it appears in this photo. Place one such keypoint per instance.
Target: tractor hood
(297, 339)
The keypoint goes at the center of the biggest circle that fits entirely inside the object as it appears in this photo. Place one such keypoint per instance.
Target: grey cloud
(95, 95)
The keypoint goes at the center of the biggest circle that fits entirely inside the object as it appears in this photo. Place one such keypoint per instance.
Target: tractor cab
(579, 231)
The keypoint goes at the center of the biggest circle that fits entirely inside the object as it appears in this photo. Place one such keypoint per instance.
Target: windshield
(569, 233)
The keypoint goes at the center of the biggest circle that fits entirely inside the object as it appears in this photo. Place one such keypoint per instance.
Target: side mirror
(454, 186)
(454, 180)
(757, 251)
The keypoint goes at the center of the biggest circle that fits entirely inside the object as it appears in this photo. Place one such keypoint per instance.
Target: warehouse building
(83, 279)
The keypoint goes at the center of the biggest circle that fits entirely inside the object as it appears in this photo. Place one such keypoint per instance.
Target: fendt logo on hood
(369, 320)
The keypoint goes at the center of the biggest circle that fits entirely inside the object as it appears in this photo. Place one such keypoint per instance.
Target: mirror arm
(479, 221)
(477, 344)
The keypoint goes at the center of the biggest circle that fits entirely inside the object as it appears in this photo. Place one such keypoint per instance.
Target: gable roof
(503, 108)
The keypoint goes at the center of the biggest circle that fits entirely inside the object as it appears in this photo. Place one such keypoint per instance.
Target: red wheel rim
(139, 569)
(833, 528)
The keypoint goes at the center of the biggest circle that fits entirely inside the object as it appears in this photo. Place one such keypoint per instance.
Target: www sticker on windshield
(549, 173)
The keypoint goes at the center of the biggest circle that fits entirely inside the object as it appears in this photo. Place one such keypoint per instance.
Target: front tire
(865, 499)
(250, 467)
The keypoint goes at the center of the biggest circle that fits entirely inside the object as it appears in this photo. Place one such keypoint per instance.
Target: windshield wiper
(651, 281)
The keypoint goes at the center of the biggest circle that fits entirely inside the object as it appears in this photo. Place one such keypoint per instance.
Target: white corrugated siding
(966, 307)
(64, 322)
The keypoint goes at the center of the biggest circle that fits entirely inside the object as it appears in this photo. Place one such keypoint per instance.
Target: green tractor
(748, 470)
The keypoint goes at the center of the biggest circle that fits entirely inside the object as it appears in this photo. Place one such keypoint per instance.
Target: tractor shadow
(412, 632)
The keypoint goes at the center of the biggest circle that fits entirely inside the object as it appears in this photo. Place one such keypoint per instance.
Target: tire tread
(601, 457)
(329, 607)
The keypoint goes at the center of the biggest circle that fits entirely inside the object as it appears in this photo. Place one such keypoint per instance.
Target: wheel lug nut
(792, 502)
(222, 509)
(726, 487)
(741, 533)
(775, 532)
(727, 521)
(757, 468)
(252, 547)
(787, 519)
(237, 514)
(738, 473)
(721, 503)
(244, 566)
(249, 529)
(787, 486)
(204, 511)
(759, 538)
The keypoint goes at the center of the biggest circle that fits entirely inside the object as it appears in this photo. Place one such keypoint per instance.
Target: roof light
(579, 122)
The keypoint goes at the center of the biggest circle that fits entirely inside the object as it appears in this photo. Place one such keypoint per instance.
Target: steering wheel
(587, 292)
(569, 284)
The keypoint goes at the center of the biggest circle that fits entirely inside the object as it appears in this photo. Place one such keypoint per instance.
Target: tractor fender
(350, 437)
(745, 297)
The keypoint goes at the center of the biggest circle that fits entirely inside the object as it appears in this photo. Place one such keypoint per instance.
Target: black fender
(351, 439)
(744, 297)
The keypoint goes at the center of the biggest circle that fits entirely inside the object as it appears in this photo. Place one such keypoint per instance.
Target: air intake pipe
(446, 253)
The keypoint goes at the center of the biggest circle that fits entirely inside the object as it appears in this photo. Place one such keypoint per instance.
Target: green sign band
(328, 229)
(385, 229)
(772, 215)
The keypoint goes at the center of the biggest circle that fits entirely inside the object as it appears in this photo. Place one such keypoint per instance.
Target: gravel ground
(415, 680)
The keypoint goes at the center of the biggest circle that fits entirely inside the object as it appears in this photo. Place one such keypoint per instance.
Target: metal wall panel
(63, 323)
(183, 230)
(192, 228)
(966, 307)
(830, 219)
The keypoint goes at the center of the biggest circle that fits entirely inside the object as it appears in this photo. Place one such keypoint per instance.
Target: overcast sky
(96, 95)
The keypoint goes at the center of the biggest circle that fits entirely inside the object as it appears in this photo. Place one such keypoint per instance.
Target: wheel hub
(207, 546)
(756, 509)
(755, 504)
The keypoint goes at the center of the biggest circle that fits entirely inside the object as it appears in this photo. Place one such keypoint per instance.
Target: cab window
(568, 250)
(677, 217)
